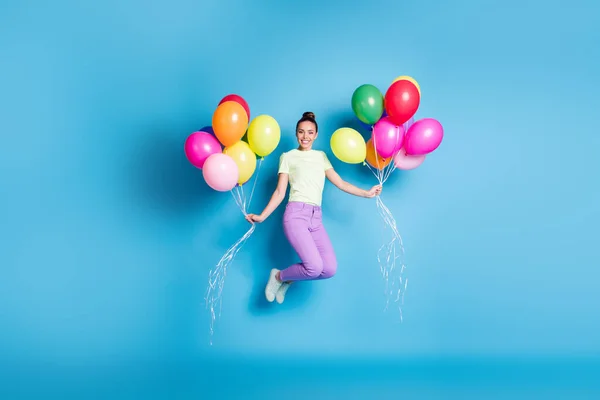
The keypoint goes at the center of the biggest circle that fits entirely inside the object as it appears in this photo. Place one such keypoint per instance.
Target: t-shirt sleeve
(284, 167)
(326, 164)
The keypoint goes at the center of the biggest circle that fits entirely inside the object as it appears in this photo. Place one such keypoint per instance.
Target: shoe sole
(267, 291)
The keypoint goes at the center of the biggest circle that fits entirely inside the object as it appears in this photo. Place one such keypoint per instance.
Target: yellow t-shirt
(306, 171)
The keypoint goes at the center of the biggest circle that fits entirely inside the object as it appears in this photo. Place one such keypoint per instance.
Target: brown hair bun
(310, 117)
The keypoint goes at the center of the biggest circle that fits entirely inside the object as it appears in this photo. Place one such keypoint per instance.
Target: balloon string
(237, 197)
(240, 198)
(388, 170)
(391, 273)
(255, 180)
(382, 175)
(387, 254)
(217, 275)
(216, 279)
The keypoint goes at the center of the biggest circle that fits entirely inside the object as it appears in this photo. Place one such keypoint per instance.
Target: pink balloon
(220, 172)
(406, 162)
(199, 146)
(387, 137)
(423, 137)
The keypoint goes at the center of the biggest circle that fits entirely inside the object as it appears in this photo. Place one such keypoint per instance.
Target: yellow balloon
(244, 158)
(263, 135)
(410, 79)
(348, 146)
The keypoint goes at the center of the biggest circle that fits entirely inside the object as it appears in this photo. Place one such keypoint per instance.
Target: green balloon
(367, 104)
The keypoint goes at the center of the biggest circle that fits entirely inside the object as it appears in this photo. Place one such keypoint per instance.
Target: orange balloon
(229, 122)
(374, 159)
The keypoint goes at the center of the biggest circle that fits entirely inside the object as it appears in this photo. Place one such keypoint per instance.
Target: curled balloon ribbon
(393, 250)
(217, 275)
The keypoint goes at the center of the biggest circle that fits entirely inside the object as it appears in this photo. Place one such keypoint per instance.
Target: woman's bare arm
(341, 184)
(276, 199)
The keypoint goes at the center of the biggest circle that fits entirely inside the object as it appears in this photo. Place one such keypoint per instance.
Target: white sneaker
(281, 292)
(273, 286)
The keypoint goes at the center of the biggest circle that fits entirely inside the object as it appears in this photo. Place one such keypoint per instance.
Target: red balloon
(237, 99)
(402, 101)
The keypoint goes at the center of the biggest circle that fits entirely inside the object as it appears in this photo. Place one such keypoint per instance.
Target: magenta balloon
(220, 172)
(423, 137)
(387, 137)
(406, 162)
(199, 146)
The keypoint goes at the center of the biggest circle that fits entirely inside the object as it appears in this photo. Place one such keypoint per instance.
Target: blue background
(107, 233)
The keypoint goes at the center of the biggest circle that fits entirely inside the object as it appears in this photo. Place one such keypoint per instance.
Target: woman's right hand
(252, 218)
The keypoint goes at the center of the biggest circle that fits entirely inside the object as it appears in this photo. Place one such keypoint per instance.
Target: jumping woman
(305, 170)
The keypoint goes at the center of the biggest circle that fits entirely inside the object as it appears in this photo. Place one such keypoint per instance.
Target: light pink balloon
(220, 172)
(423, 137)
(387, 137)
(406, 162)
(199, 146)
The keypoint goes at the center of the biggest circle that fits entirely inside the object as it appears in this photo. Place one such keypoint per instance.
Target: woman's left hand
(374, 191)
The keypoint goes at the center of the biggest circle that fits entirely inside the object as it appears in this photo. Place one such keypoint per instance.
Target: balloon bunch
(230, 167)
(397, 142)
